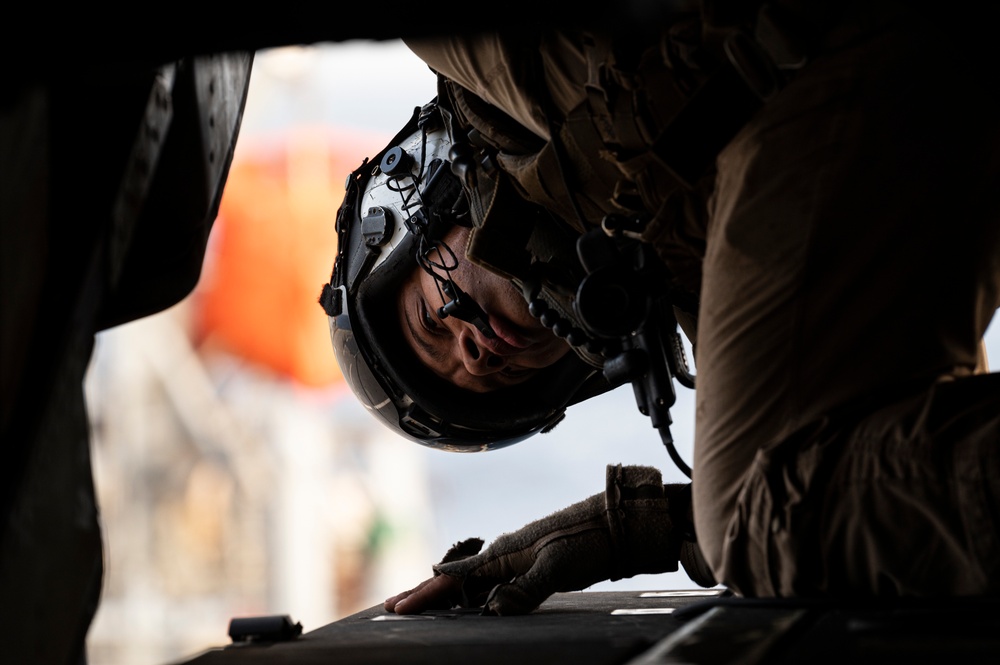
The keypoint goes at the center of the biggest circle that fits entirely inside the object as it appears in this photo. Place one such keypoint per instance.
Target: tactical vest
(659, 105)
(658, 108)
(630, 95)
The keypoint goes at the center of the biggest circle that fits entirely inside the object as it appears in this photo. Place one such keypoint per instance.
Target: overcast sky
(365, 85)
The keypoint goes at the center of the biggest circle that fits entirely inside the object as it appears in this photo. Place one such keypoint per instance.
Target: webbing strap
(757, 48)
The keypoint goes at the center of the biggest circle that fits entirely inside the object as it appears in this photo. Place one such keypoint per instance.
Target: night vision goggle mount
(623, 299)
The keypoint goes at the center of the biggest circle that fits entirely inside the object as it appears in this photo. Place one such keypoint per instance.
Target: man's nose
(479, 361)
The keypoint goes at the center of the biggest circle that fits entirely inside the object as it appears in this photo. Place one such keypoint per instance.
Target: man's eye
(428, 319)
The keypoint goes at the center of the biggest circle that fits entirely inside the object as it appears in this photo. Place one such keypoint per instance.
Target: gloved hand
(624, 531)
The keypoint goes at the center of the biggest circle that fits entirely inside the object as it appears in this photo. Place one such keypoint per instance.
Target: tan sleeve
(982, 361)
(486, 65)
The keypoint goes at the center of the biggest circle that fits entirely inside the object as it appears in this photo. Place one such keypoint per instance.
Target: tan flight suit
(850, 266)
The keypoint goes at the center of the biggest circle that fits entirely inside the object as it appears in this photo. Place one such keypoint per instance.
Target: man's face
(456, 350)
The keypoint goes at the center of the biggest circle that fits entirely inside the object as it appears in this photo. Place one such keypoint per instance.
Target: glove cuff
(639, 522)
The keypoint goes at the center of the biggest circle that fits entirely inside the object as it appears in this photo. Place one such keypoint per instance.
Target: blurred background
(236, 473)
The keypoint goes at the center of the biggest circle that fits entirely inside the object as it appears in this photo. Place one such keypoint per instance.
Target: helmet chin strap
(462, 306)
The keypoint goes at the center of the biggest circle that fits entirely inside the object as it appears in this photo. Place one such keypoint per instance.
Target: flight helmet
(396, 207)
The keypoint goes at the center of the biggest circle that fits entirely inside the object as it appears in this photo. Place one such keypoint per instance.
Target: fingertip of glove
(463, 550)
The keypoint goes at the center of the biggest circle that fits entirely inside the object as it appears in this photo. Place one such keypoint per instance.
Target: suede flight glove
(626, 530)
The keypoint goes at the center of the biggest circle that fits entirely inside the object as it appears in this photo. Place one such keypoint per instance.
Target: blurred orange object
(272, 249)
